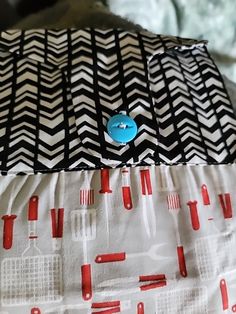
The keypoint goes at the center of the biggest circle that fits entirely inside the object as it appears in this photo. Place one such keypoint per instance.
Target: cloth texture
(90, 226)
(67, 83)
(160, 237)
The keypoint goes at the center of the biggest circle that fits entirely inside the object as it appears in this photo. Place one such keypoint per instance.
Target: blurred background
(214, 20)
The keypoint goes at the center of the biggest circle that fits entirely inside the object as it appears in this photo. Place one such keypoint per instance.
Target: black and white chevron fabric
(58, 88)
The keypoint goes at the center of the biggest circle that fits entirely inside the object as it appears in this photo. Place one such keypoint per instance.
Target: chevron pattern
(189, 91)
(60, 87)
(6, 74)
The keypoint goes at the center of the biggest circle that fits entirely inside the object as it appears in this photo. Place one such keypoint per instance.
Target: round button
(121, 128)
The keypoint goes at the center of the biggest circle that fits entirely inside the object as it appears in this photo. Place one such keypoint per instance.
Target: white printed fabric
(148, 240)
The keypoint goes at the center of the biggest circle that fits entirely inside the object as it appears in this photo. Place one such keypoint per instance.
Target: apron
(92, 226)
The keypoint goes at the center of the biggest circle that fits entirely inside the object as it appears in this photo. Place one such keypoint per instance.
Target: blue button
(121, 128)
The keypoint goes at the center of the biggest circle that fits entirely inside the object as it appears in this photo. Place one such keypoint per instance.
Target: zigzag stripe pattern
(188, 89)
(210, 100)
(60, 87)
(51, 150)
(83, 93)
(139, 102)
(6, 74)
(20, 137)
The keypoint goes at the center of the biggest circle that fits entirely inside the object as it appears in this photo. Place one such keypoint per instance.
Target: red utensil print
(33, 208)
(110, 307)
(35, 310)
(121, 256)
(8, 221)
(105, 190)
(32, 216)
(194, 215)
(86, 281)
(9, 218)
(57, 219)
(114, 307)
(41, 283)
(8, 227)
(224, 294)
(83, 222)
(173, 202)
(140, 308)
(86, 196)
(234, 308)
(105, 181)
(110, 257)
(225, 202)
(146, 182)
(148, 282)
(205, 195)
(149, 217)
(158, 281)
(181, 261)
(154, 285)
(57, 215)
(126, 190)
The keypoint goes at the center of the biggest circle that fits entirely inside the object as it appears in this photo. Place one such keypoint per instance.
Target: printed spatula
(84, 229)
(173, 201)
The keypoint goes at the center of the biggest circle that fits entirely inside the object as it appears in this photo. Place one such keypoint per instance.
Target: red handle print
(181, 261)
(194, 215)
(112, 257)
(153, 285)
(225, 202)
(8, 231)
(127, 200)
(146, 182)
(110, 311)
(234, 308)
(86, 282)
(114, 305)
(60, 222)
(35, 310)
(152, 277)
(224, 294)
(205, 195)
(100, 305)
(33, 208)
(57, 224)
(105, 185)
(54, 222)
(140, 308)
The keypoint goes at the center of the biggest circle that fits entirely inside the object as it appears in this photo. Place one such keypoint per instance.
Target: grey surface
(8, 15)
(213, 20)
(231, 88)
(79, 14)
